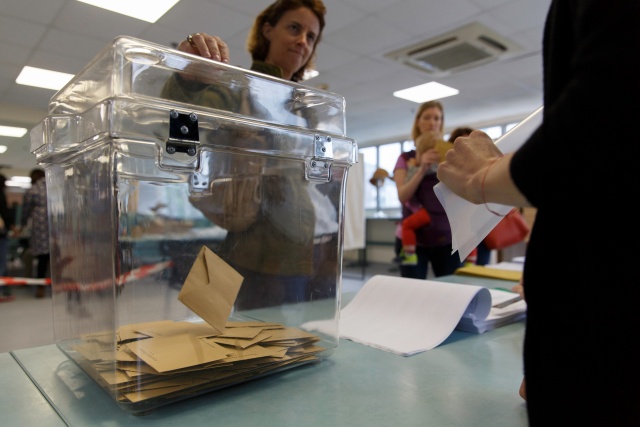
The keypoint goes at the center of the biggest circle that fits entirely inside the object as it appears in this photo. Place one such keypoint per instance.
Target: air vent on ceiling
(465, 47)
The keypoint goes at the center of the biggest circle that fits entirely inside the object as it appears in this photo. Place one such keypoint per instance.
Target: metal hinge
(183, 133)
(319, 167)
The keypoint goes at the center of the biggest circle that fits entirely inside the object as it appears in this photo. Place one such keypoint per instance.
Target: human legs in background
(41, 273)
(418, 271)
(410, 224)
(443, 262)
(397, 248)
(323, 283)
(27, 261)
(4, 250)
(261, 290)
(483, 255)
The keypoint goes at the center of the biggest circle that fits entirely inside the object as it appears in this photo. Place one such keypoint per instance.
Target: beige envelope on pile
(211, 288)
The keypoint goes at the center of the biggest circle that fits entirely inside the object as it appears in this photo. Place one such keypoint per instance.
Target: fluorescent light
(426, 92)
(3, 148)
(19, 182)
(40, 77)
(140, 9)
(12, 131)
(21, 179)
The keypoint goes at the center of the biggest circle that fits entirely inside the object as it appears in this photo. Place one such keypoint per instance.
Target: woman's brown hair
(415, 130)
(258, 45)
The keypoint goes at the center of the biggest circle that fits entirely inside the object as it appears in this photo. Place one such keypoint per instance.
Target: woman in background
(35, 210)
(4, 239)
(269, 218)
(433, 242)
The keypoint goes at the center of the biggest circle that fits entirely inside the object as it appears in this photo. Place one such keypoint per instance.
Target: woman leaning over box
(269, 218)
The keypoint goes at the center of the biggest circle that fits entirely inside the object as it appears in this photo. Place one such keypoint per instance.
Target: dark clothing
(265, 206)
(442, 262)
(4, 240)
(483, 254)
(35, 209)
(5, 214)
(434, 240)
(438, 232)
(580, 359)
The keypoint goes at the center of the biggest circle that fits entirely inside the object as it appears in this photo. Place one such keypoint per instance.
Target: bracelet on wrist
(486, 172)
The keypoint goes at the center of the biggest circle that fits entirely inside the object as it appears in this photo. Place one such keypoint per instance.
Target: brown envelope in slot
(211, 288)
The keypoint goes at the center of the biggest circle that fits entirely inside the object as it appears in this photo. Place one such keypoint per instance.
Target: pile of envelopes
(168, 358)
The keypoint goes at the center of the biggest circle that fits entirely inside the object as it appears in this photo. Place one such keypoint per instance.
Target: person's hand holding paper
(211, 288)
(470, 223)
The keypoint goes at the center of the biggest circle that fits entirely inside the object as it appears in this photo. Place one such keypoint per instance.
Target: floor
(27, 321)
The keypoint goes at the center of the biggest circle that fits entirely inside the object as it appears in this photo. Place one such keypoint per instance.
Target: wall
(380, 237)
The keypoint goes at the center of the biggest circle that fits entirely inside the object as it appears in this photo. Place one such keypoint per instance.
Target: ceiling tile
(96, 23)
(37, 11)
(68, 43)
(65, 35)
(370, 35)
(428, 18)
(20, 32)
(191, 16)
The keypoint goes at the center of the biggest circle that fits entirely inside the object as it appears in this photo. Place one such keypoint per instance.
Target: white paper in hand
(471, 223)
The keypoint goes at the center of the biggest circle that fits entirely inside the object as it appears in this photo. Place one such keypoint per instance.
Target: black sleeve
(591, 92)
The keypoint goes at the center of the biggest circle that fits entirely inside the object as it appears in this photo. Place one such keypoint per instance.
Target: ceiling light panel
(12, 131)
(39, 77)
(145, 10)
(426, 92)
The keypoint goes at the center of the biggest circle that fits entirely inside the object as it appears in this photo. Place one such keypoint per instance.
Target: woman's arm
(407, 188)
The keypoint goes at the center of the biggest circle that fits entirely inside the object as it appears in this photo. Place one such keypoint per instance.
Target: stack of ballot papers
(506, 307)
(408, 316)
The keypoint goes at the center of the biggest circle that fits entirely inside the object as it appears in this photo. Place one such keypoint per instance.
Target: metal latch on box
(319, 167)
(183, 133)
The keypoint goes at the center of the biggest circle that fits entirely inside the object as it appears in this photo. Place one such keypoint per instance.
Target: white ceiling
(64, 35)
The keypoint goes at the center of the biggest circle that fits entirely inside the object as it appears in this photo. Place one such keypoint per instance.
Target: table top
(468, 380)
(21, 403)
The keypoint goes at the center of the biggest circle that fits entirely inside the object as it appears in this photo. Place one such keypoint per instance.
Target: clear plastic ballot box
(196, 221)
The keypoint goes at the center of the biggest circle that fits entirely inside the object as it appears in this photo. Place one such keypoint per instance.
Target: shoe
(7, 298)
(40, 292)
(406, 259)
(409, 259)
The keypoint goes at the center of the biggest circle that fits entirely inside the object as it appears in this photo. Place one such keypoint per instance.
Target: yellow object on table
(494, 273)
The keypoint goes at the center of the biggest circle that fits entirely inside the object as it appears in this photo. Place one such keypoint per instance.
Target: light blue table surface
(21, 403)
(468, 380)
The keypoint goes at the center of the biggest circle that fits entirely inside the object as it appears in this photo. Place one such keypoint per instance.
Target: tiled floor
(28, 321)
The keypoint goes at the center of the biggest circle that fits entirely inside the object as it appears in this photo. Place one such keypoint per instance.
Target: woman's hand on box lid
(207, 46)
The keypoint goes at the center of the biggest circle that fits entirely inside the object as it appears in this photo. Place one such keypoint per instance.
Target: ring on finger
(190, 39)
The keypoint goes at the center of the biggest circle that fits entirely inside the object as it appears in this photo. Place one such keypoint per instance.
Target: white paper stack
(497, 316)
(408, 316)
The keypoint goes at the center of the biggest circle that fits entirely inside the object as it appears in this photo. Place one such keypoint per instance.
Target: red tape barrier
(133, 275)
